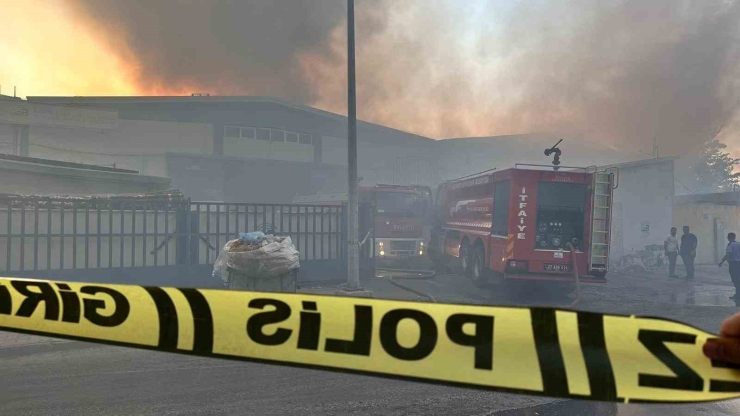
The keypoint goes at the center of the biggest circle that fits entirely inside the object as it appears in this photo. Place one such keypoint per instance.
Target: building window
(277, 136)
(263, 134)
(248, 133)
(267, 134)
(501, 197)
(234, 132)
(231, 132)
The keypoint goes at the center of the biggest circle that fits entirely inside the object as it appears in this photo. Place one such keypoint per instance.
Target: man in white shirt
(671, 251)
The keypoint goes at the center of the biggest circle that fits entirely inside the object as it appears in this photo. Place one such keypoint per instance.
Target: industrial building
(239, 148)
(642, 214)
(231, 148)
(266, 150)
(710, 217)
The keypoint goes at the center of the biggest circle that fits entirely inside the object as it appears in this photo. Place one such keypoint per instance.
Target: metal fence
(49, 234)
(315, 230)
(52, 234)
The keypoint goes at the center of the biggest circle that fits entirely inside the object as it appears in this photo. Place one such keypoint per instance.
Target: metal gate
(156, 242)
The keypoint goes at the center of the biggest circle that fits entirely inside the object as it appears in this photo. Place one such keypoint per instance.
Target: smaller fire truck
(531, 222)
(400, 213)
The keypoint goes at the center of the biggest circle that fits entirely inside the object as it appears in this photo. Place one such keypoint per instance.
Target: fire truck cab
(399, 217)
(526, 223)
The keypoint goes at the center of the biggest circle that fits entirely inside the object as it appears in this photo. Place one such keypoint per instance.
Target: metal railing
(316, 230)
(49, 234)
(38, 234)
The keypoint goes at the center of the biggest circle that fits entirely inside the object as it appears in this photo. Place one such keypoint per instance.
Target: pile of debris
(240, 245)
(256, 261)
(652, 259)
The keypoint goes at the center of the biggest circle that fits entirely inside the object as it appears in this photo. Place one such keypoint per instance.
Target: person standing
(688, 251)
(671, 251)
(732, 257)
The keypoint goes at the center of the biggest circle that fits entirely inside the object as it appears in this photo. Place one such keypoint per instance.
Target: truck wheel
(465, 259)
(478, 267)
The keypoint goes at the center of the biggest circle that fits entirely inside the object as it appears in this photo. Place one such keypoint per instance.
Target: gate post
(367, 251)
(187, 227)
(343, 236)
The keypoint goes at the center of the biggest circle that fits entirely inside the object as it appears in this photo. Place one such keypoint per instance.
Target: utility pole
(655, 146)
(353, 249)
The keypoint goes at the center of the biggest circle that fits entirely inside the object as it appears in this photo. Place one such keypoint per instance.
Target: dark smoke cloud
(620, 72)
(626, 71)
(220, 46)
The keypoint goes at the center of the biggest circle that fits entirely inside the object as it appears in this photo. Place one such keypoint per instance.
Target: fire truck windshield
(399, 203)
(561, 209)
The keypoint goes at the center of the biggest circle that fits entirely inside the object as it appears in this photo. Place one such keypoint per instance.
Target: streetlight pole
(353, 249)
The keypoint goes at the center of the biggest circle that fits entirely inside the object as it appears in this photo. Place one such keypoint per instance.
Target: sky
(619, 72)
(45, 52)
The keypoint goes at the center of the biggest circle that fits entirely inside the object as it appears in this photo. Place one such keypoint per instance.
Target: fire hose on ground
(412, 290)
(576, 293)
(424, 276)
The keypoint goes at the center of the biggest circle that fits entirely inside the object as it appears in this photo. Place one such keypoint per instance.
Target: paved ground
(45, 376)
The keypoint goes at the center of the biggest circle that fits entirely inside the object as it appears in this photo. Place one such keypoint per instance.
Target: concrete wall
(710, 223)
(394, 164)
(334, 150)
(643, 207)
(252, 148)
(8, 139)
(250, 180)
(136, 144)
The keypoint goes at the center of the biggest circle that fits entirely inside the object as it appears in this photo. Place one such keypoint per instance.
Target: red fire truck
(526, 223)
(400, 213)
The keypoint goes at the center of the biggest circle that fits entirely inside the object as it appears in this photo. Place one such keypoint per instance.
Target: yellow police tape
(541, 351)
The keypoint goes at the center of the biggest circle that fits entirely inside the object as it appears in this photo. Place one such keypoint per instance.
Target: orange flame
(46, 52)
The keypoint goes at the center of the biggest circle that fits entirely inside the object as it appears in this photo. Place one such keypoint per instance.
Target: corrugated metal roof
(64, 164)
(208, 100)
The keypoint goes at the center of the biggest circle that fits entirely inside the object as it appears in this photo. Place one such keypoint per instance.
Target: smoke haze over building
(618, 72)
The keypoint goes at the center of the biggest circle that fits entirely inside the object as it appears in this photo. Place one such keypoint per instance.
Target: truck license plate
(557, 267)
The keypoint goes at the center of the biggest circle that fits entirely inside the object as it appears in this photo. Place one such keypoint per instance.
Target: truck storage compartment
(561, 215)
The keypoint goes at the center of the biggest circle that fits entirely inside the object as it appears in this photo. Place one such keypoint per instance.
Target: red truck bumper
(555, 278)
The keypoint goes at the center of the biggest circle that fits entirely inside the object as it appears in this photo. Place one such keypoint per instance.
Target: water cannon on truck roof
(557, 152)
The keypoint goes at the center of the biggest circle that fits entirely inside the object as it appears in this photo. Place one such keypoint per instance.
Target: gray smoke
(618, 71)
(221, 46)
(627, 71)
